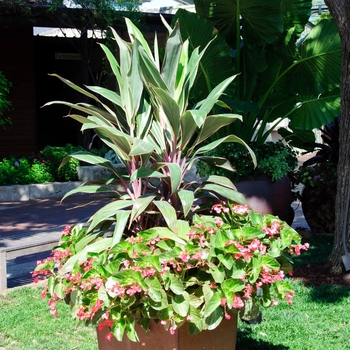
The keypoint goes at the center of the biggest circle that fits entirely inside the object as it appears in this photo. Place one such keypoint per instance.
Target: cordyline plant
(157, 138)
(234, 261)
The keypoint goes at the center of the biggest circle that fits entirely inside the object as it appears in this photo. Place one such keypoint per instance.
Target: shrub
(23, 171)
(43, 168)
(275, 159)
(54, 155)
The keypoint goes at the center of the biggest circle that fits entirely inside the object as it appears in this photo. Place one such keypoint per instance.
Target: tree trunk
(340, 11)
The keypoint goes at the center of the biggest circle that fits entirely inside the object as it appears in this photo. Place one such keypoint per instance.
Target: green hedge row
(42, 168)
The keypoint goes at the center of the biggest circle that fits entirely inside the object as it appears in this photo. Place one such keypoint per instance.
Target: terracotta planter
(222, 338)
(269, 197)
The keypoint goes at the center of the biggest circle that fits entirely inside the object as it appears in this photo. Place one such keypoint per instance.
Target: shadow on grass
(328, 293)
(319, 251)
(246, 342)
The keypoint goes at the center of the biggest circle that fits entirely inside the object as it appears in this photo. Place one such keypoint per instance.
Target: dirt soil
(317, 275)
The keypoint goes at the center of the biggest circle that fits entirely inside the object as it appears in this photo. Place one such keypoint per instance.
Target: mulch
(317, 275)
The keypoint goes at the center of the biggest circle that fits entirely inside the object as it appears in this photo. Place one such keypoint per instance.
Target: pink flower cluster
(122, 292)
(84, 313)
(298, 248)
(247, 252)
(273, 230)
(236, 208)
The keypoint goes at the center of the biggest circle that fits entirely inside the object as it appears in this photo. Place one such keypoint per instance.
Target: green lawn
(26, 324)
(318, 319)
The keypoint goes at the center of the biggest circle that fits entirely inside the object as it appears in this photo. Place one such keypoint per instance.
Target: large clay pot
(269, 197)
(222, 338)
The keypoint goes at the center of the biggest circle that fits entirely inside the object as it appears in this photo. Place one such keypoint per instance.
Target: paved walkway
(49, 216)
(30, 219)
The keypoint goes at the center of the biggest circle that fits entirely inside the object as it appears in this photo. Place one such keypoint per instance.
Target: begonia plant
(233, 261)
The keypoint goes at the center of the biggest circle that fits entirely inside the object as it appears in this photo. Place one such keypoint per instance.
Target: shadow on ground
(245, 342)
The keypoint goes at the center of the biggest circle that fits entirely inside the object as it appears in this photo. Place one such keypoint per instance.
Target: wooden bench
(12, 247)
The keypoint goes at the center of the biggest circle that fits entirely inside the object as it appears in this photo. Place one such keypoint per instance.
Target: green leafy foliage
(234, 261)
(274, 159)
(5, 103)
(282, 76)
(42, 168)
(54, 155)
(23, 171)
(157, 137)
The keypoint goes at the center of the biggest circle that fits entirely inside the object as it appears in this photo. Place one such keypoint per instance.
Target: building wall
(26, 61)
(17, 64)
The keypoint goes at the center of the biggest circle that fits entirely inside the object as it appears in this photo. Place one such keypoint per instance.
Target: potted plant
(156, 252)
(267, 186)
(318, 177)
(234, 261)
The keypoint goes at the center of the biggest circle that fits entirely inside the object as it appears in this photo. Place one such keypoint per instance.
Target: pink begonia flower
(240, 209)
(98, 305)
(217, 208)
(248, 291)
(201, 241)
(98, 282)
(105, 316)
(53, 310)
(192, 234)
(289, 297)
(263, 249)
(227, 316)
(298, 248)
(86, 285)
(133, 290)
(255, 244)
(109, 336)
(44, 292)
(218, 222)
(66, 230)
(244, 252)
(237, 302)
(275, 227)
(184, 256)
(148, 272)
(211, 230)
(81, 313)
(172, 330)
(117, 289)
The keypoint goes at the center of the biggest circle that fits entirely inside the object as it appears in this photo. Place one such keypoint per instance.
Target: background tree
(340, 11)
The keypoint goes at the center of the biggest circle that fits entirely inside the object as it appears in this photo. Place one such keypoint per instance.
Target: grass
(26, 324)
(317, 319)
